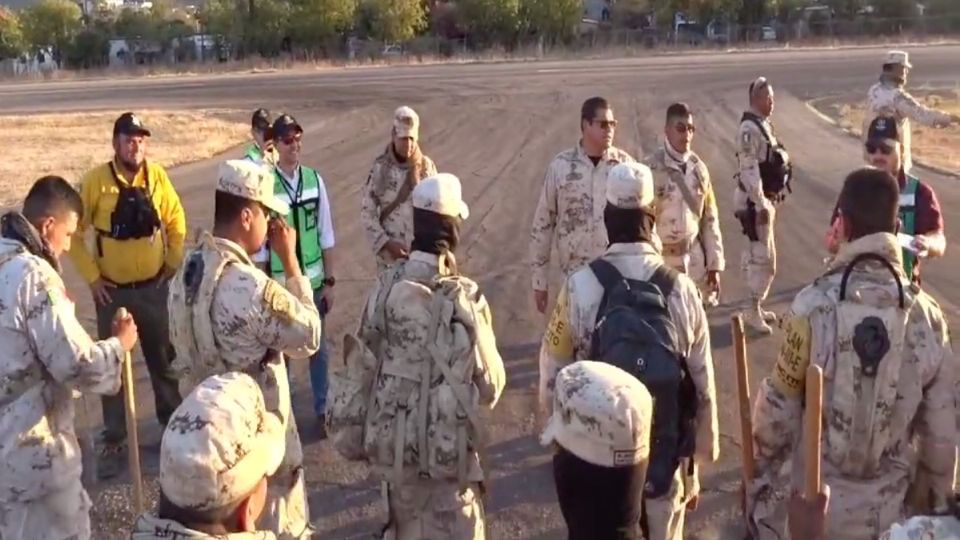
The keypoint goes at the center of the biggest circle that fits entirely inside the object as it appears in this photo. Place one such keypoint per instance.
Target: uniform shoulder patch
(790, 372)
(278, 300)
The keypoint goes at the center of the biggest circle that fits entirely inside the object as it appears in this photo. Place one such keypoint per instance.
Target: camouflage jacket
(383, 184)
(489, 375)
(567, 338)
(570, 212)
(150, 527)
(887, 98)
(679, 225)
(47, 357)
(876, 428)
(240, 320)
(752, 148)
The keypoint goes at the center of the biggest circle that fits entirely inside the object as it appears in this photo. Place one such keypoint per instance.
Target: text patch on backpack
(790, 371)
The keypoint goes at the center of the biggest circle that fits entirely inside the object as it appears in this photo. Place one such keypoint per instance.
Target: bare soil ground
(70, 144)
(932, 146)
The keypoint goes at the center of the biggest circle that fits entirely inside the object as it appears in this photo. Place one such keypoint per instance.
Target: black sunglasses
(882, 148)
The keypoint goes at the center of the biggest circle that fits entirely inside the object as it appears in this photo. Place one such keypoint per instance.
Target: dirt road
(496, 126)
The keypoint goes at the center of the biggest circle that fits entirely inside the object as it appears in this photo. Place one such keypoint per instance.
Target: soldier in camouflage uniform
(686, 207)
(761, 186)
(217, 451)
(600, 433)
(629, 189)
(570, 210)
(889, 416)
(227, 315)
(47, 359)
(425, 501)
(385, 208)
(888, 97)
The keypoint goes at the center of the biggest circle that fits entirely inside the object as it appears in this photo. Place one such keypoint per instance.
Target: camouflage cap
(219, 443)
(249, 180)
(441, 193)
(630, 185)
(601, 414)
(897, 58)
(406, 123)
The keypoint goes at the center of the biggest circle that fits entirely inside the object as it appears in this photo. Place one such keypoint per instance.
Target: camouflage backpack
(411, 409)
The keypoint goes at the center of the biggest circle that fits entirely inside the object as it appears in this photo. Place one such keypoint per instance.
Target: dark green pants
(148, 305)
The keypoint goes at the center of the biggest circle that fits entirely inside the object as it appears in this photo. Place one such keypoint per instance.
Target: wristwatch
(329, 281)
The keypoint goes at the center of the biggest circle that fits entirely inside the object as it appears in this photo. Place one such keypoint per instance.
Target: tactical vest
(775, 169)
(908, 220)
(304, 209)
(134, 216)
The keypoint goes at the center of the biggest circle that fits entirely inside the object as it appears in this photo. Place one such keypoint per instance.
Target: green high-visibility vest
(254, 153)
(304, 207)
(908, 220)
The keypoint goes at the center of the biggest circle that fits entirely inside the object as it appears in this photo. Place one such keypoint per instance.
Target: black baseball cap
(284, 125)
(130, 124)
(260, 120)
(883, 130)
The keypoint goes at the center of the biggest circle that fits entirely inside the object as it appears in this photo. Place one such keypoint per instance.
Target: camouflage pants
(62, 515)
(759, 261)
(433, 510)
(665, 515)
(693, 265)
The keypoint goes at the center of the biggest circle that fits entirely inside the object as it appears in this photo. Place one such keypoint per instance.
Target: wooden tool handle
(743, 393)
(812, 427)
(133, 441)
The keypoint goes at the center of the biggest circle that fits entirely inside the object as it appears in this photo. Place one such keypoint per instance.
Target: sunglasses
(606, 124)
(882, 148)
(291, 139)
(685, 128)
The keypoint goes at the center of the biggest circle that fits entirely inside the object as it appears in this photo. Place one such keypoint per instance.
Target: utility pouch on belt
(748, 221)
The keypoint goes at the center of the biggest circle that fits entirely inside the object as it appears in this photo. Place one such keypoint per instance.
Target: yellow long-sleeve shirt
(128, 261)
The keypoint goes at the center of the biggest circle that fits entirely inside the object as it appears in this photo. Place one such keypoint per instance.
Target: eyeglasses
(685, 128)
(291, 139)
(882, 148)
(606, 124)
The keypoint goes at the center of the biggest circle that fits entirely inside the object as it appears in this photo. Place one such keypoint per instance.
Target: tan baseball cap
(252, 181)
(406, 123)
(898, 57)
(219, 443)
(601, 414)
(441, 193)
(630, 185)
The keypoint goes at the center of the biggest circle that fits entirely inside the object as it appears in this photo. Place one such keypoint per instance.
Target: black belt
(152, 282)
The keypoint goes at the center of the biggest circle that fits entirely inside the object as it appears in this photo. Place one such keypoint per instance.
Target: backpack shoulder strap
(608, 276)
(750, 117)
(664, 278)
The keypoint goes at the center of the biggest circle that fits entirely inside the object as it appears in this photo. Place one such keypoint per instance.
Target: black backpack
(634, 332)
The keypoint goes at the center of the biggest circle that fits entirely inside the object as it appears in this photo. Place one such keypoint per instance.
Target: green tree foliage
(11, 35)
(554, 20)
(317, 24)
(52, 23)
(394, 20)
(490, 21)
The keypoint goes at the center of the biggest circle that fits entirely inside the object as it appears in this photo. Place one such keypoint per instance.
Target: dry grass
(70, 144)
(932, 146)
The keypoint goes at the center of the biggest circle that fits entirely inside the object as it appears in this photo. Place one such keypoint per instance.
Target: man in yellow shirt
(138, 231)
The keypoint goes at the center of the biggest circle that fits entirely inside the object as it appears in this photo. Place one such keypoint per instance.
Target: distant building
(598, 10)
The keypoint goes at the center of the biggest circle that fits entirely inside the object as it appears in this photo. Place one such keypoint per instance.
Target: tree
(137, 24)
(314, 23)
(11, 35)
(52, 23)
(490, 21)
(633, 14)
(554, 20)
(394, 21)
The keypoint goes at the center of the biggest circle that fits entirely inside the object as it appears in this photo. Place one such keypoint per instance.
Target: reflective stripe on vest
(304, 210)
(908, 221)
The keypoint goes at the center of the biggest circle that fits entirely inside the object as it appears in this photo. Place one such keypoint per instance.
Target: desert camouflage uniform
(46, 358)
(871, 450)
(150, 527)
(567, 339)
(759, 259)
(887, 98)
(435, 509)
(241, 320)
(925, 528)
(691, 238)
(570, 212)
(386, 178)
